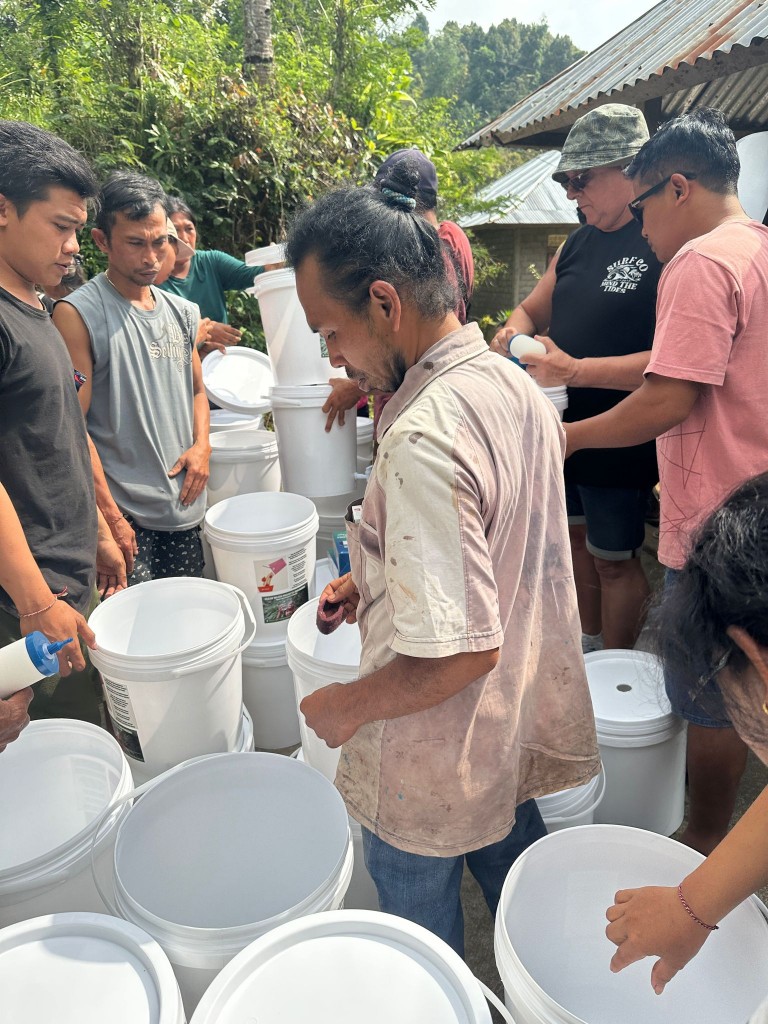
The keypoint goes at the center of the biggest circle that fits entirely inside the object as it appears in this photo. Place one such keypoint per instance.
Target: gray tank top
(140, 416)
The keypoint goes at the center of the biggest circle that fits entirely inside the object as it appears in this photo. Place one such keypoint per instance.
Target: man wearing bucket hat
(472, 698)
(144, 399)
(703, 396)
(594, 310)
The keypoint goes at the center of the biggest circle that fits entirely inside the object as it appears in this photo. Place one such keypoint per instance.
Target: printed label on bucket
(123, 718)
(323, 347)
(283, 586)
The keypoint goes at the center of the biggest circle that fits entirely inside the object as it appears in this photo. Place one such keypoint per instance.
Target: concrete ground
(478, 921)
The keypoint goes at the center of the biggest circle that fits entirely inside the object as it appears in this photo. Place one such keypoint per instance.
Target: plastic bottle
(27, 661)
(523, 345)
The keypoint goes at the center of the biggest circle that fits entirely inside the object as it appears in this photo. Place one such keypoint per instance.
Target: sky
(588, 24)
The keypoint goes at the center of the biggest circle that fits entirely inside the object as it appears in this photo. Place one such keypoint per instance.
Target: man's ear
(385, 306)
(681, 186)
(5, 205)
(100, 239)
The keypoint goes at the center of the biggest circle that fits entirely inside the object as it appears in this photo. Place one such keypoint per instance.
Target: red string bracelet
(709, 927)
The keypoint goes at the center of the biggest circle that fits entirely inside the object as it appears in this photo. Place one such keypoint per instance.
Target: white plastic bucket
(327, 526)
(642, 743)
(243, 744)
(216, 853)
(314, 462)
(242, 462)
(56, 781)
(297, 354)
(268, 695)
(346, 967)
(572, 807)
(265, 545)
(361, 893)
(558, 397)
(85, 969)
(364, 443)
(317, 660)
(274, 253)
(169, 653)
(553, 956)
(223, 419)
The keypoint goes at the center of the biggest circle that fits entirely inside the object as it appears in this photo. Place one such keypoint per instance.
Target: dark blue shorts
(696, 703)
(614, 517)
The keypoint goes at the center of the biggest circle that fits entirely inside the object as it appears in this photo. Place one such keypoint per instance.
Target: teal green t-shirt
(211, 274)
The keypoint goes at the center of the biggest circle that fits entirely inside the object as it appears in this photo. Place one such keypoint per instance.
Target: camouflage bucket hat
(608, 136)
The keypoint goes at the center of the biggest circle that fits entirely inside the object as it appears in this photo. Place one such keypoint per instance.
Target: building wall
(521, 248)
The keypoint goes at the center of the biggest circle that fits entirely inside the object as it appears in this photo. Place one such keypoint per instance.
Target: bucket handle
(187, 670)
(600, 794)
(109, 811)
(496, 1003)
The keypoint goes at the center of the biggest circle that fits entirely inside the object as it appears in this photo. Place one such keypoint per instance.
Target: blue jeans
(427, 890)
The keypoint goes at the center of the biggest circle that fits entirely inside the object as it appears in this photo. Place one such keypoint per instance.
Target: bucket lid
(305, 645)
(553, 902)
(56, 780)
(243, 441)
(269, 518)
(239, 380)
(343, 967)
(222, 844)
(85, 969)
(268, 254)
(222, 419)
(627, 689)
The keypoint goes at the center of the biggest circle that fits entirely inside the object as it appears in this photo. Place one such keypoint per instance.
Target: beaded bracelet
(709, 927)
(39, 611)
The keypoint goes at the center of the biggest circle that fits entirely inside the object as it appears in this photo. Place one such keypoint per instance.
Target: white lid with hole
(239, 380)
(628, 696)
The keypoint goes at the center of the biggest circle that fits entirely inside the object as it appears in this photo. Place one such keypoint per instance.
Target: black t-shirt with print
(44, 460)
(604, 304)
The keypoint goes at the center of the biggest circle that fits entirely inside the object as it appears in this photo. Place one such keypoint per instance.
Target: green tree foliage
(158, 87)
(487, 70)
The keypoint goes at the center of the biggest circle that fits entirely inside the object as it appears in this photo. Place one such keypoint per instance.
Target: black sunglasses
(634, 207)
(578, 183)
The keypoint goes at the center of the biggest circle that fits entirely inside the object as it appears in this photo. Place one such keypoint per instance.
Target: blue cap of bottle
(42, 652)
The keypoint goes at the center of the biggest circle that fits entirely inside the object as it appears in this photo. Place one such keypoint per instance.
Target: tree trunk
(258, 56)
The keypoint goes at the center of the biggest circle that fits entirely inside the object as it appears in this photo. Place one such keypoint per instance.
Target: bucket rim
(271, 280)
(61, 858)
(103, 926)
(367, 924)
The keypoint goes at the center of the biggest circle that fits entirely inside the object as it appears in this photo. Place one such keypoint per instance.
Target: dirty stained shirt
(463, 546)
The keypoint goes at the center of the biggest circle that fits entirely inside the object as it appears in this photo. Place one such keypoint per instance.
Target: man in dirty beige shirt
(472, 698)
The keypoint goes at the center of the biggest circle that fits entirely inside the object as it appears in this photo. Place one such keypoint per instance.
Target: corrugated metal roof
(526, 195)
(688, 47)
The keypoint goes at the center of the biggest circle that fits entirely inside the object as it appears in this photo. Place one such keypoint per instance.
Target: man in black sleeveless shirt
(595, 307)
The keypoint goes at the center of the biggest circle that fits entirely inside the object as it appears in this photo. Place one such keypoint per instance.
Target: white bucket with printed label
(242, 462)
(264, 544)
(317, 660)
(347, 967)
(169, 654)
(642, 742)
(224, 849)
(85, 969)
(314, 462)
(268, 695)
(554, 958)
(57, 781)
(297, 354)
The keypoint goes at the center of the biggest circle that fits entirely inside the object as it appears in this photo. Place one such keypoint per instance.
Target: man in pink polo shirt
(704, 395)
(472, 698)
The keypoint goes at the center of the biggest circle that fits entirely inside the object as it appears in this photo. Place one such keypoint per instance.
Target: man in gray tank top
(144, 399)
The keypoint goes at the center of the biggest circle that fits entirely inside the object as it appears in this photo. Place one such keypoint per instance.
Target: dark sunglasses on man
(634, 207)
